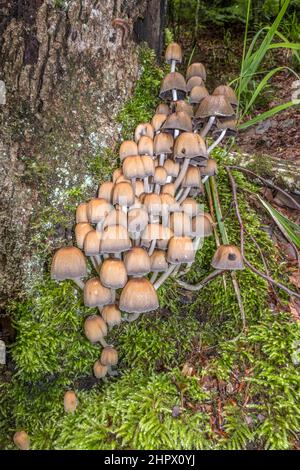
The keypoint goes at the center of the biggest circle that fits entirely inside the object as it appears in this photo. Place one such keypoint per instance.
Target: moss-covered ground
(242, 389)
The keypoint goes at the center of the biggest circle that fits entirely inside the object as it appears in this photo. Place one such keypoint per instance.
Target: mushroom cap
(194, 81)
(230, 124)
(152, 203)
(157, 121)
(192, 178)
(123, 194)
(137, 220)
(97, 210)
(133, 168)
(227, 257)
(22, 440)
(180, 224)
(138, 296)
(196, 70)
(211, 168)
(137, 262)
(202, 226)
(115, 239)
(105, 191)
(113, 273)
(81, 213)
(95, 328)
(191, 207)
(109, 356)
(172, 167)
(91, 244)
(99, 370)
(214, 106)
(68, 263)
(95, 294)
(173, 81)
(70, 401)
(162, 243)
(148, 163)
(155, 232)
(158, 261)
(180, 250)
(128, 147)
(163, 143)
(183, 106)
(169, 203)
(179, 120)
(81, 230)
(173, 52)
(144, 128)
(145, 146)
(228, 92)
(163, 108)
(168, 188)
(111, 315)
(190, 145)
(116, 174)
(139, 189)
(197, 94)
(160, 175)
(115, 217)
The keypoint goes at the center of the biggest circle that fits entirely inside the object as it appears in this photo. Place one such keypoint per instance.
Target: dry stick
(225, 240)
(202, 283)
(242, 229)
(266, 182)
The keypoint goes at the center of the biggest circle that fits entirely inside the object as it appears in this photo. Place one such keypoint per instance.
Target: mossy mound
(242, 390)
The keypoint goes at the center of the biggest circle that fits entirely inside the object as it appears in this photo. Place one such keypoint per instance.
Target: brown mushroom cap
(132, 168)
(228, 124)
(99, 370)
(197, 94)
(173, 52)
(95, 328)
(154, 232)
(123, 194)
(109, 356)
(196, 70)
(202, 226)
(214, 106)
(211, 168)
(22, 440)
(191, 207)
(183, 106)
(111, 315)
(137, 262)
(192, 178)
(95, 294)
(113, 273)
(180, 121)
(97, 210)
(173, 81)
(163, 143)
(168, 203)
(144, 128)
(163, 108)
(128, 147)
(68, 263)
(158, 261)
(105, 191)
(190, 145)
(152, 203)
(145, 146)
(92, 243)
(157, 121)
(115, 217)
(172, 167)
(180, 250)
(180, 224)
(81, 213)
(194, 81)
(81, 230)
(168, 188)
(139, 189)
(228, 92)
(137, 220)
(148, 163)
(116, 174)
(160, 175)
(227, 257)
(138, 296)
(70, 401)
(115, 239)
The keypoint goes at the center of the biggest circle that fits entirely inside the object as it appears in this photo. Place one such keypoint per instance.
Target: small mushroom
(144, 128)
(95, 329)
(22, 440)
(109, 356)
(81, 230)
(173, 87)
(227, 257)
(99, 370)
(69, 263)
(196, 70)
(138, 296)
(173, 55)
(81, 213)
(96, 294)
(111, 315)
(70, 401)
(113, 273)
(137, 262)
(105, 191)
(127, 148)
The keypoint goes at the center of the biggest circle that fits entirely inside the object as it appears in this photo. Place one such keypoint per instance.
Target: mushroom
(137, 262)
(178, 122)
(22, 440)
(192, 179)
(149, 169)
(228, 92)
(137, 221)
(163, 145)
(97, 210)
(194, 81)
(91, 247)
(133, 168)
(189, 146)
(157, 122)
(115, 217)
(159, 178)
(127, 148)
(117, 173)
(198, 93)
(109, 356)
(180, 224)
(145, 146)
(183, 106)
(211, 169)
(212, 107)
(173, 87)
(143, 129)
(105, 191)
(123, 195)
(224, 126)
(191, 207)
(95, 294)
(95, 329)
(138, 296)
(163, 108)
(111, 315)
(158, 263)
(152, 203)
(99, 370)
(113, 275)
(196, 70)
(173, 55)
(81, 230)
(115, 240)
(81, 213)
(69, 263)
(201, 228)
(70, 401)
(227, 257)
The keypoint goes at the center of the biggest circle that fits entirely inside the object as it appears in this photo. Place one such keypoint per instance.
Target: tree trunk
(67, 68)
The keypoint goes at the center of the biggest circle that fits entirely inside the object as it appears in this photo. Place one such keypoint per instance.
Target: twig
(242, 230)
(201, 284)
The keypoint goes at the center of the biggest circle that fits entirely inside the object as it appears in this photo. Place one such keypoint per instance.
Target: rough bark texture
(67, 71)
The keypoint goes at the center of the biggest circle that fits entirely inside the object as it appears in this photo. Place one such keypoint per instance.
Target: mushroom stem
(94, 263)
(174, 95)
(205, 179)
(152, 247)
(113, 295)
(132, 317)
(146, 184)
(207, 128)
(178, 195)
(165, 215)
(133, 182)
(182, 173)
(217, 141)
(111, 372)
(165, 275)
(176, 133)
(157, 188)
(173, 65)
(185, 195)
(103, 342)
(153, 277)
(161, 159)
(79, 283)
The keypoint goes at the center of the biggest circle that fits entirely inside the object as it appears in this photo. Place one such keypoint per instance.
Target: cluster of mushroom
(146, 223)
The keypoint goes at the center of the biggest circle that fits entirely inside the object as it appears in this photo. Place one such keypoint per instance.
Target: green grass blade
(268, 114)
(286, 45)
